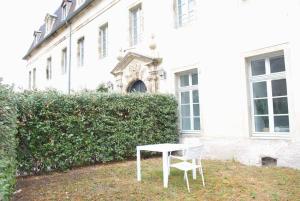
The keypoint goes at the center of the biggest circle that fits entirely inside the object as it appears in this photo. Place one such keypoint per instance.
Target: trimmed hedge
(8, 118)
(57, 132)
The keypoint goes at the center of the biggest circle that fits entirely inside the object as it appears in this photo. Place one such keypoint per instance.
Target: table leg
(194, 170)
(138, 165)
(165, 169)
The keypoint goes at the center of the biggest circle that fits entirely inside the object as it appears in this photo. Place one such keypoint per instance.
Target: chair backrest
(193, 152)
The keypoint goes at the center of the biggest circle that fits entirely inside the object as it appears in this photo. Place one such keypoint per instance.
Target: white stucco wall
(218, 43)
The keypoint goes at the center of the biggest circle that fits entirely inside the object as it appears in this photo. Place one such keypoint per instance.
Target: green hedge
(57, 131)
(8, 130)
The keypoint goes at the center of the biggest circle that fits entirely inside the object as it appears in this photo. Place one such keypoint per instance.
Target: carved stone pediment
(134, 67)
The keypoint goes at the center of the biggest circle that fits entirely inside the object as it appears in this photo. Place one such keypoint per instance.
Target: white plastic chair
(193, 153)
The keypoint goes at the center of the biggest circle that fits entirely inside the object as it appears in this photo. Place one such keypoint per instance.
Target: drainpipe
(70, 56)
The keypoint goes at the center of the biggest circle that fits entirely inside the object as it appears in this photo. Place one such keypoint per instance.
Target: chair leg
(187, 181)
(201, 173)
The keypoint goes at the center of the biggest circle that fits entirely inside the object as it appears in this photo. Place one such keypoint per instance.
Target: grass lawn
(224, 181)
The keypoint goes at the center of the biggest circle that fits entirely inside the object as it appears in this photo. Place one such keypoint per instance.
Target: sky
(18, 20)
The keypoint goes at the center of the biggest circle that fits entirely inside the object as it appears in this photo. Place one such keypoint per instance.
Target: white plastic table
(165, 149)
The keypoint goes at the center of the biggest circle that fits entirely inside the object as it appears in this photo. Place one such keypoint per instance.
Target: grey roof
(58, 24)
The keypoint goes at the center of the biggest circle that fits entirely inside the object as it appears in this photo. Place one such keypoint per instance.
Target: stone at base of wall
(249, 151)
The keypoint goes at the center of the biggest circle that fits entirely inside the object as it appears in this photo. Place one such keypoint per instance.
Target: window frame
(80, 52)
(64, 60)
(268, 77)
(136, 36)
(64, 11)
(103, 48)
(29, 80)
(179, 21)
(34, 78)
(190, 88)
(49, 69)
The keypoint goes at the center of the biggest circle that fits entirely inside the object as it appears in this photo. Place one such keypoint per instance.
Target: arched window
(137, 86)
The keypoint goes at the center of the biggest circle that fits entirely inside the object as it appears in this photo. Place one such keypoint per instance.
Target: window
(80, 52)
(64, 61)
(34, 79)
(136, 25)
(188, 94)
(37, 36)
(269, 98)
(49, 21)
(29, 80)
(64, 12)
(103, 40)
(49, 69)
(80, 2)
(185, 12)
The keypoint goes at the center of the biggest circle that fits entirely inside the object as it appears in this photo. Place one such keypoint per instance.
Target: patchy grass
(224, 181)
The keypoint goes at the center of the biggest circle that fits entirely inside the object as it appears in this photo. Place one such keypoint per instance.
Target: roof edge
(61, 25)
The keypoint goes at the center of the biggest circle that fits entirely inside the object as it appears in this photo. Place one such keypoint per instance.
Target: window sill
(190, 133)
(271, 136)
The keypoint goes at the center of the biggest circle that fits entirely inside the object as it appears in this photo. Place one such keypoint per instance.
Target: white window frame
(34, 78)
(189, 89)
(268, 77)
(64, 11)
(80, 52)
(185, 12)
(79, 3)
(49, 69)
(64, 61)
(136, 32)
(29, 80)
(103, 41)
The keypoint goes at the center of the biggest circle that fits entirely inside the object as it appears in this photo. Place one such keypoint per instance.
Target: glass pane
(260, 89)
(280, 106)
(279, 87)
(277, 64)
(262, 124)
(195, 79)
(261, 107)
(186, 124)
(196, 110)
(184, 80)
(185, 111)
(196, 123)
(185, 97)
(281, 124)
(258, 67)
(195, 96)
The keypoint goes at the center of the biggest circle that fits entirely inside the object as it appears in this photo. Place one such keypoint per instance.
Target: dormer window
(79, 3)
(65, 7)
(37, 36)
(49, 21)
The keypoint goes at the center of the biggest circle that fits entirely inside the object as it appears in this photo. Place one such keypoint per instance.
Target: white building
(238, 58)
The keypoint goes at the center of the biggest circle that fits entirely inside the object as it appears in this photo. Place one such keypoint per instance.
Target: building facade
(233, 65)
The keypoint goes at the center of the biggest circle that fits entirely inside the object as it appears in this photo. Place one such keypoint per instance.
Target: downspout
(70, 56)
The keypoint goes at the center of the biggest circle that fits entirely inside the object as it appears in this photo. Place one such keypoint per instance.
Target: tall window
(185, 12)
(136, 25)
(29, 80)
(270, 112)
(64, 61)
(103, 41)
(34, 79)
(49, 69)
(80, 52)
(189, 101)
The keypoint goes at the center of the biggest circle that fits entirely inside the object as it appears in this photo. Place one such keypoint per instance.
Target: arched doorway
(137, 86)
